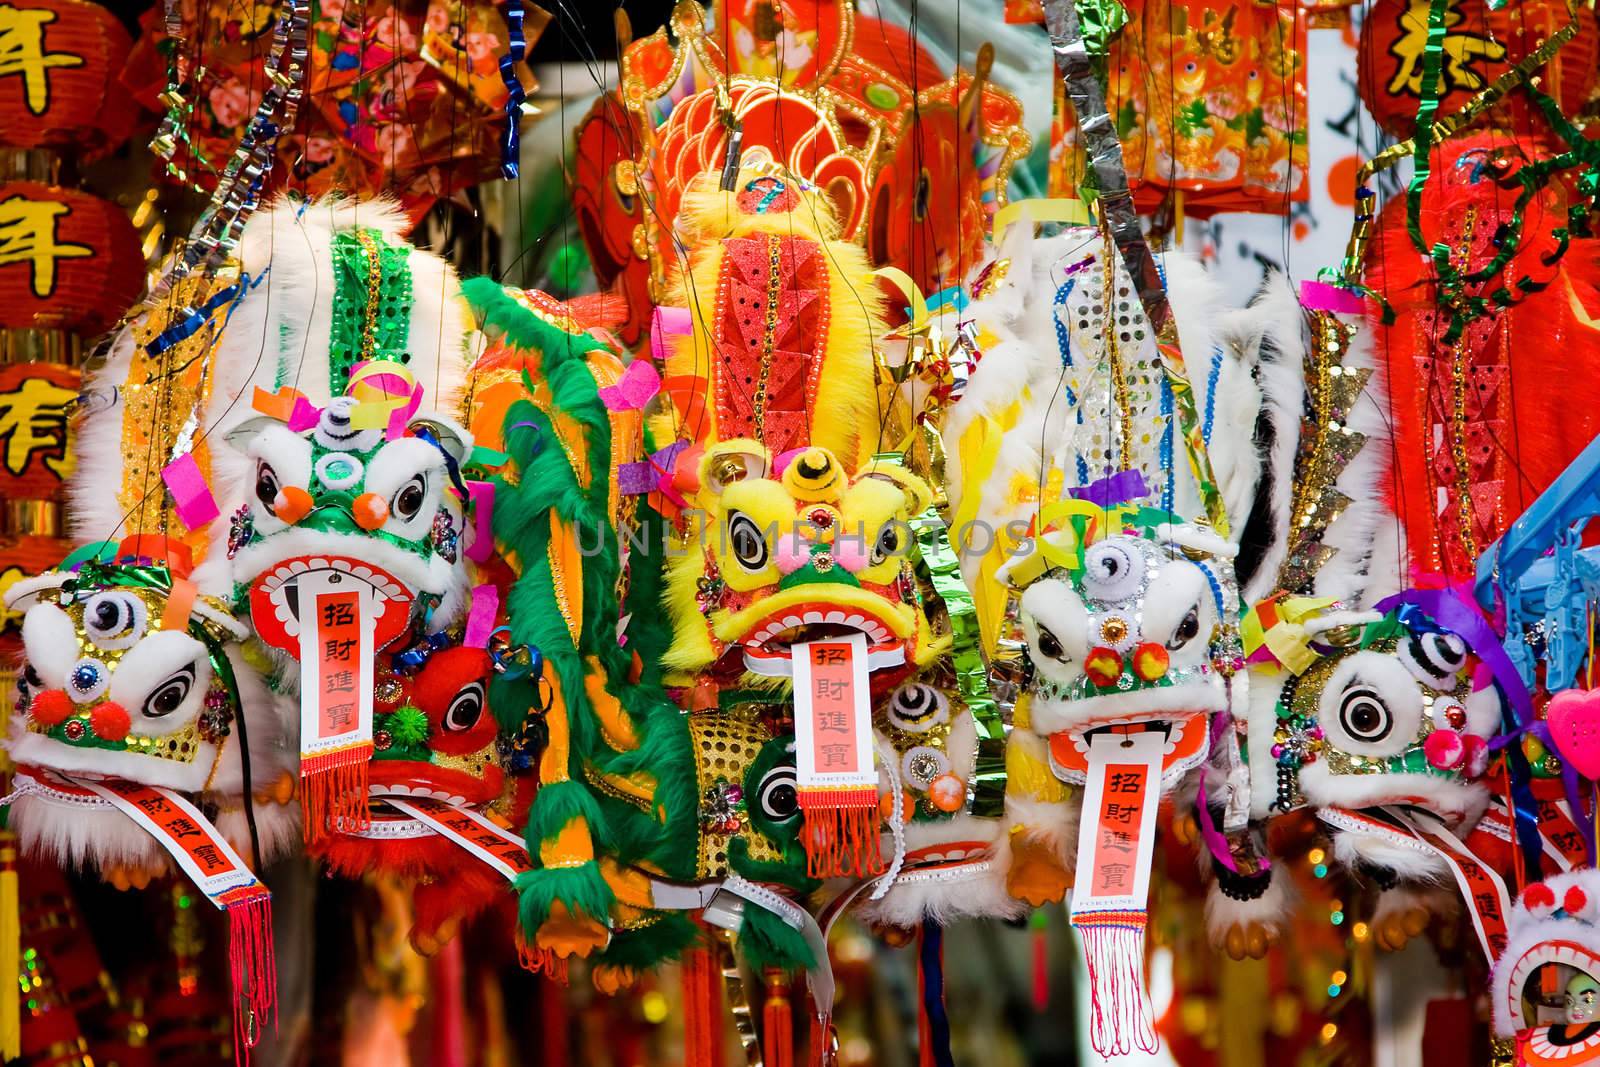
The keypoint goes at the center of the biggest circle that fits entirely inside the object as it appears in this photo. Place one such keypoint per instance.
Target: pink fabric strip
(190, 493)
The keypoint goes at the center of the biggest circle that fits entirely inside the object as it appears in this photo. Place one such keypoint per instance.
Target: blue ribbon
(511, 142)
(450, 464)
(931, 959)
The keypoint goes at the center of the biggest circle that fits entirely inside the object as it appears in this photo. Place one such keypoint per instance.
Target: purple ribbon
(1116, 489)
(645, 476)
(1463, 618)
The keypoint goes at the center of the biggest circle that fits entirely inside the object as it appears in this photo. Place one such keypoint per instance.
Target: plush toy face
(749, 818)
(801, 557)
(1553, 925)
(109, 691)
(1393, 720)
(433, 735)
(350, 501)
(1127, 637)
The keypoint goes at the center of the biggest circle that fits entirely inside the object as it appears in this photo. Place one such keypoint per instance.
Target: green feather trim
(647, 946)
(767, 941)
(581, 889)
(666, 752)
(556, 805)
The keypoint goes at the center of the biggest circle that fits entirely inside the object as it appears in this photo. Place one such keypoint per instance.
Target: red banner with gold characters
(68, 260)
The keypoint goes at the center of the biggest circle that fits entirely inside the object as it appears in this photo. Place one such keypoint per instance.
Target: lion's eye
(1187, 629)
(746, 542)
(1364, 715)
(267, 485)
(408, 498)
(1050, 644)
(465, 710)
(778, 794)
(888, 543)
(169, 696)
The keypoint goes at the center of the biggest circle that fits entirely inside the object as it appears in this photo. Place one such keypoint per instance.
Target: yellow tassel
(10, 950)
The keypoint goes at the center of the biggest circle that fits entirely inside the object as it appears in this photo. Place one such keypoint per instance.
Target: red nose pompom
(1574, 901)
(49, 707)
(110, 721)
(1539, 899)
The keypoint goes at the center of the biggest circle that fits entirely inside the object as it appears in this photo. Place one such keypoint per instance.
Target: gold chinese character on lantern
(33, 424)
(22, 53)
(28, 235)
(1461, 51)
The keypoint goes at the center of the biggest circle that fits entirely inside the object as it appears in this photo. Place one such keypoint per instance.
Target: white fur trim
(1270, 911)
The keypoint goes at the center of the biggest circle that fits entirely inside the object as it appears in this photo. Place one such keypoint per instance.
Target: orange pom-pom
(291, 504)
(370, 510)
(947, 792)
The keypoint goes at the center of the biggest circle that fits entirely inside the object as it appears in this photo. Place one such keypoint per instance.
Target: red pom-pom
(1574, 901)
(49, 707)
(1539, 899)
(110, 721)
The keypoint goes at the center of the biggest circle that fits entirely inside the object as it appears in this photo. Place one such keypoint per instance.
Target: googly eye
(1188, 629)
(1049, 645)
(922, 765)
(746, 543)
(267, 485)
(408, 499)
(88, 680)
(340, 471)
(465, 710)
(779, 794)
(114, 619)
(1113, 570)
(1434, 658)
(169, 696)
(916, 707)
(891, 542)
(1364, 715)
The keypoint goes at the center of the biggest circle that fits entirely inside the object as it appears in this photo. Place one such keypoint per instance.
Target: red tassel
(553, 1021)
(777, 1022)
(540, 960)
(1039, 923)
(821, 1041)
(1119, 1009)
(333, 791)
(702, 1007)
(841, 832)
(252, 966)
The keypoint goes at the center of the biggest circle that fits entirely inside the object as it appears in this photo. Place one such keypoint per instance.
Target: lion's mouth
(275, 602)
(769, 648)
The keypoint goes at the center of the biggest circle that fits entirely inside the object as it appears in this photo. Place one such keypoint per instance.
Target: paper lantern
(68, 260)
(59, 77)
(1480, 44)
(1209, 100)
(35, 400)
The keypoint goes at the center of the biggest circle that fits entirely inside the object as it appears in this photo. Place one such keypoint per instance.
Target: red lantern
(59, 84)
(68, 260)
(35, 399)
(1480, 44)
